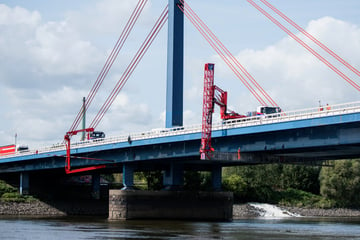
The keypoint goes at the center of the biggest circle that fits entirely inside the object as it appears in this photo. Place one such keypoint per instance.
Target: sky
(51, 53)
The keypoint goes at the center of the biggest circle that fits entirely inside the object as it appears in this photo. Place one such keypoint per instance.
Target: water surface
(93, 228)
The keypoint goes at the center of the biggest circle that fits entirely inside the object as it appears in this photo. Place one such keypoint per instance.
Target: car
(97, 135)
(23, 148)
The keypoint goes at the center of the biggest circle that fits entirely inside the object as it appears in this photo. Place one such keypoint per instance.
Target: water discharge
(271, 211)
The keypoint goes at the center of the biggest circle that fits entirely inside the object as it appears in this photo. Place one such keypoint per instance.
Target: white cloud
(104, 17)
(294, 77)
(58, 50)
(18, 16)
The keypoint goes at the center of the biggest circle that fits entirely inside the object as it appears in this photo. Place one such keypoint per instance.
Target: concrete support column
(96, 186)
(24, 183)
(174, 177)
(128, 177)
(216, 175)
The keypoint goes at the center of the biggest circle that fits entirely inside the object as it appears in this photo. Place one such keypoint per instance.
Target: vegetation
(302, 186)
(10, 194)
(342, 183)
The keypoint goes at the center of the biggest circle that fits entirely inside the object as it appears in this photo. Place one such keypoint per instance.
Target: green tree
(153, 179)
(305, 178)
(260, 181)
(264, 182)
(342, 183)
(236, 184)
(197, 181)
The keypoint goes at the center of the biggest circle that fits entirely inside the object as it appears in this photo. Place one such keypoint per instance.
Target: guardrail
(234, 123)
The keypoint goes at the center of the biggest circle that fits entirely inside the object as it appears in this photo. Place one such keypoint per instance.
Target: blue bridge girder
(292, 137)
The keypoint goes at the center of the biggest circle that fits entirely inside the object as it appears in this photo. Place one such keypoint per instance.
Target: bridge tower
(174, 174)
(175, 65)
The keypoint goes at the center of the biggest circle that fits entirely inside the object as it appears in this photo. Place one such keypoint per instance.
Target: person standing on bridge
(328, 107)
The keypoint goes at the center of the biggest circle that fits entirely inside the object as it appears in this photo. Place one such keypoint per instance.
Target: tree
(342, 183)
(305, 178)
(236, 184)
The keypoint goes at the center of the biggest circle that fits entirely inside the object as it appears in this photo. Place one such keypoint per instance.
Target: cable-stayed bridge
(308, 136)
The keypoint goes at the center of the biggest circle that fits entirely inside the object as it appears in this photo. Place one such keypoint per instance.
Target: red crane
(212, 95)
(67, 138)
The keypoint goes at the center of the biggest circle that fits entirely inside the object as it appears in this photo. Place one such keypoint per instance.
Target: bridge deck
(338, 114)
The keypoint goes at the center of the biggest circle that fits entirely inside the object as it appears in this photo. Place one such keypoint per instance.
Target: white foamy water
(271, 211)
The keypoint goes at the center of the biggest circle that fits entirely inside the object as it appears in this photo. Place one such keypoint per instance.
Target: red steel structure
(67, 138)
(208, 108)
(212, 95)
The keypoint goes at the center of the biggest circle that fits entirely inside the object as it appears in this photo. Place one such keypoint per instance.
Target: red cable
(113, 94)
(222, 55)
(125, 76)
(352, 83)
(237, 63)
(244, 71)
(110, 60)
(337, 57)
(122, 81)
(225, 59)
(213, 45)
(131, 67)
(127, 30)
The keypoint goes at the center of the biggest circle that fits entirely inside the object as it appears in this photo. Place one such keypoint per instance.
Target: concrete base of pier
(132, 204)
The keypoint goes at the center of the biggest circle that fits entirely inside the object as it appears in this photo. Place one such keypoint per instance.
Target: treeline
(337, 185)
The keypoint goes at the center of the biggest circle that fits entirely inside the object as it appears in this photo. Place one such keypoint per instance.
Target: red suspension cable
(221, 54)
(237, 63)
(131, 67)
(303, 31)
(110, 60)
(327, 63)
(226, 55)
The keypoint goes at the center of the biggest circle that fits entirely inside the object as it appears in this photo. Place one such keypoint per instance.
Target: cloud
(46, 69)
(58, 50)
(18, 16)
(295, 78)
(104, 17)
(43, 71)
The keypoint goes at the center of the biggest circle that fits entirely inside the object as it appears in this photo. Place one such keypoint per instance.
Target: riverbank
(55, 208)
(241, 211)
(33, 208)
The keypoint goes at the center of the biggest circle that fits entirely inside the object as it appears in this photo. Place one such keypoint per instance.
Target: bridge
(307, 136)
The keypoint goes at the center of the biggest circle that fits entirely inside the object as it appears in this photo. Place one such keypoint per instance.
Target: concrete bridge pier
(173, 177)
(24, 183)
(216, 177)
(172, 204)
(95, 186)
(128, 176)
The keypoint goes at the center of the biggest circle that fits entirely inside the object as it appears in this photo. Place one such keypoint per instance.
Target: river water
(258, 228)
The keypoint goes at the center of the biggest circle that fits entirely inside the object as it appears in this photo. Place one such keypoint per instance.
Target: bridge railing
(291, 115)
(248, 121)
(228, 124)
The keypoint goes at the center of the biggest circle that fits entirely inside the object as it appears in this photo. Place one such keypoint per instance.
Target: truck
(7, 150)
(12, 149)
